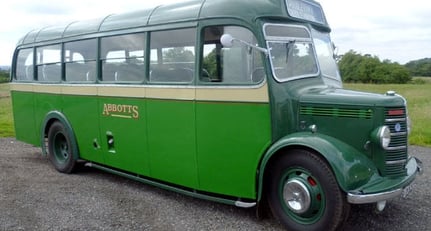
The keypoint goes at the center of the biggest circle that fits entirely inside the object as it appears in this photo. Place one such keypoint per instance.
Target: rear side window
(24, 65)
(49, 63)
(122, 58)
(80, 60)
(173, 56)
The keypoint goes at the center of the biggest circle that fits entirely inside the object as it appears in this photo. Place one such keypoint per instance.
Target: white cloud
(395, 30)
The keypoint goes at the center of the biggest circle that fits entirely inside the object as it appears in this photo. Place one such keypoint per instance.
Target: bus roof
(188, 11)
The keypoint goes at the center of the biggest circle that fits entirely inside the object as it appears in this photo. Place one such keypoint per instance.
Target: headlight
(382, 136)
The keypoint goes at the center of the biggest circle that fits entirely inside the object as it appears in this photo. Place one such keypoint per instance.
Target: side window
(237, 65)
(48, 63)
(122, 58)
(172, 56)
(80, 60)
(24, 65)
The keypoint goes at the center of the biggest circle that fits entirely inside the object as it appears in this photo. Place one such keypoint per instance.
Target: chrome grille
(396, 153)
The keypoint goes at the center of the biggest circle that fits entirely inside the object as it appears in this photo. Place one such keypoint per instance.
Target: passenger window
(24, 66)
(172, 56)
(123, 58)
(80, 60)
(49, 63)
(237, 65)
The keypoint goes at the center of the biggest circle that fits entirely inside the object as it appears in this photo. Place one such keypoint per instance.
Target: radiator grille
(396, 154)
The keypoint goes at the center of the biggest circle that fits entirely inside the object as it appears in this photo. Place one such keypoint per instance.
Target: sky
(399, 31)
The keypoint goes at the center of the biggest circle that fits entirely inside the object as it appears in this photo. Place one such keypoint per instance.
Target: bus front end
(332, 147)
(372, 132)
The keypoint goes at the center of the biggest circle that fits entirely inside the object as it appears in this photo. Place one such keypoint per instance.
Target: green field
(6, 118)
(418, 97)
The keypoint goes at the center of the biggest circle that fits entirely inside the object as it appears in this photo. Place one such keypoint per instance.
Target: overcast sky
(396, 30)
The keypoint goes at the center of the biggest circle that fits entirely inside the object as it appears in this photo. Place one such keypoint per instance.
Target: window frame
(29, 68)
(172, 67)
(102, 58)
(40, 63)
(84, 60)
(262, 57)
(285, 39)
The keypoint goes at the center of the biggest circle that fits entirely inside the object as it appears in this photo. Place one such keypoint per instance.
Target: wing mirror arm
(227, 41)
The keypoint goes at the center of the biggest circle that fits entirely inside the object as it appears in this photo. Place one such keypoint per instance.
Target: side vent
(336, 112)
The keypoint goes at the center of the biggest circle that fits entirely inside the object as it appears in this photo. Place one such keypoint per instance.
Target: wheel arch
(50, 118)
(350, 167)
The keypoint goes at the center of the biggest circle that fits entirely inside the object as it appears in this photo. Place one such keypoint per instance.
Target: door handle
(110, 141)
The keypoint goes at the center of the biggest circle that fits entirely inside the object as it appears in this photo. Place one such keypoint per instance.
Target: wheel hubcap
(61, 148)
(296, 196)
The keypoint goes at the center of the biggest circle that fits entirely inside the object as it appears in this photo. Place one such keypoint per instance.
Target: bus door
(232, 113)
(171, 107)
(122, 102)
(79, 96)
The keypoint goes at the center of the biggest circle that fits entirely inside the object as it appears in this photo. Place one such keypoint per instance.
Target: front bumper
(370, 193)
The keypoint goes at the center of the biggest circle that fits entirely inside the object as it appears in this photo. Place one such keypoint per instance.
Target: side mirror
(227, 40)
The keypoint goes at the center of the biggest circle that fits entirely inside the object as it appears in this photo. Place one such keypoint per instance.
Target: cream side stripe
(233, 94)
(171, 93)
(228, 94)
(119, 91)
(21, 87)
(81, 90)
(45, 88)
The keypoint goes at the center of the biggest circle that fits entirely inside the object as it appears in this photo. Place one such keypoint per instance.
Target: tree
(210, 63)
(421, 67)
(4, 76)
(355, 67)
(178, 54)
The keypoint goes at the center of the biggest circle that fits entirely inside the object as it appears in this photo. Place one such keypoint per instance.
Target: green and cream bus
(239, 102)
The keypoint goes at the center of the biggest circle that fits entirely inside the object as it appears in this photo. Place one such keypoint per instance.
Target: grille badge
(397, 127)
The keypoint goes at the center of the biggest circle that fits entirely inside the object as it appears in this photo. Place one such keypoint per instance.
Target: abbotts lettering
(121, 110)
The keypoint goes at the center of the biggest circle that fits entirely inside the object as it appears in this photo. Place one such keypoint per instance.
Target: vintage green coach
(238, 102)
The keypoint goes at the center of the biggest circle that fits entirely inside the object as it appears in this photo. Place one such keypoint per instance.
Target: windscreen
(291, 52)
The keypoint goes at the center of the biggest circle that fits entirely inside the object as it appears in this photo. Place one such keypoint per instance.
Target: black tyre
(303, 193)
(60, 149)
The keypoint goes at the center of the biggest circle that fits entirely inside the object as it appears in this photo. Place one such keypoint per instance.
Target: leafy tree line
(4, 76)
(421, 67)
(358, 68)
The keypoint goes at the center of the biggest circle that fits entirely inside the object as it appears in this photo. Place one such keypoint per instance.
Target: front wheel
(60, 150)
(303, 193)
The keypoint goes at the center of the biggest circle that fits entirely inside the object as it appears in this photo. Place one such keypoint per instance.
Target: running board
(195, 194)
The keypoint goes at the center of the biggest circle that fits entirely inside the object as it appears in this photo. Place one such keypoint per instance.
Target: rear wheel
(60, 150)
(303, 193)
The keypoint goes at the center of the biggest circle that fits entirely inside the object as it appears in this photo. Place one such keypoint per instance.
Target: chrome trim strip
(392, 162)
(395, 120)
(354, 198)
(395, 148)
(245, 204)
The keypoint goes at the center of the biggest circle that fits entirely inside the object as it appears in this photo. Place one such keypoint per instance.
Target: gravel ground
(34, 196)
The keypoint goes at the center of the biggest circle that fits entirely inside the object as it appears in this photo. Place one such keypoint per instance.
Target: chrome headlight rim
(381, 136)
(384, 136)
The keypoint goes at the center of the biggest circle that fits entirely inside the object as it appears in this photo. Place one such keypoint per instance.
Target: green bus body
(214, 140)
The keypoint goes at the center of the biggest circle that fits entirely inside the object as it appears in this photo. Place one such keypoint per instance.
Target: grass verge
(6, 117)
